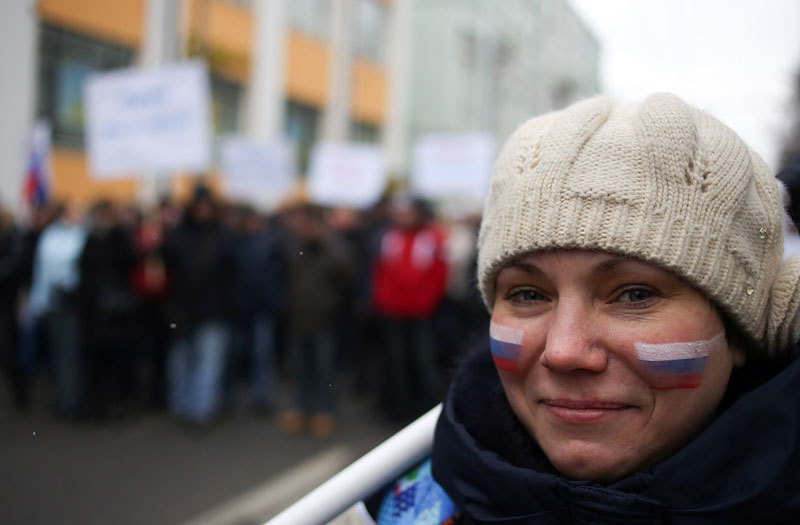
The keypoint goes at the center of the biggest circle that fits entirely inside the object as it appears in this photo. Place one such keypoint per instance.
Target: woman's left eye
(635, 295)
(526, 295)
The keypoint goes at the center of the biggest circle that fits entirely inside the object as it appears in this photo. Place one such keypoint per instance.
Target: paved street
(149, 470)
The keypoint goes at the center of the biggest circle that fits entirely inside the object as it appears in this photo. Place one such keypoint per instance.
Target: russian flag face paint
(505, 343)
(673, 366)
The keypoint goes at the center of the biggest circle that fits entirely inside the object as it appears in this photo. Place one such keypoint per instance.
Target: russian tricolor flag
(675, 365)
(35, 189)
(505, 343)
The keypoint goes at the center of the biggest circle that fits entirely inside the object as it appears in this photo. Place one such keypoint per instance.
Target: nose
(574, 340)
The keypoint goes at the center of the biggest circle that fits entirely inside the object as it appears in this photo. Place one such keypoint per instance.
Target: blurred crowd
(202, 307)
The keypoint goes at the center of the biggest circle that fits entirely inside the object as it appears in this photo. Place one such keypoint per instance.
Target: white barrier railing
(375, 469)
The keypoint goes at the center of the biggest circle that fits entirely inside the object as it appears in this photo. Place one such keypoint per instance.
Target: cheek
(506, 346)
(676, 366)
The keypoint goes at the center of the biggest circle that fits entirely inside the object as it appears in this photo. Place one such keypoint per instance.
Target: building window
(311, 17)
(301, 128)
(362, 132)
(66, 59)
(225, 98)
(370, 28)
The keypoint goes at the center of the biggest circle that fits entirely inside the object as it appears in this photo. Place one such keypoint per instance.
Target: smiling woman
(641, 364)
(598, 385)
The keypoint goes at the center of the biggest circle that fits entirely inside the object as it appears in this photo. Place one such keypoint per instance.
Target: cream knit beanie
(660, 181)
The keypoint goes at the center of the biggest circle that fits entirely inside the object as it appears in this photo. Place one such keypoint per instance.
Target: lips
(583, 411)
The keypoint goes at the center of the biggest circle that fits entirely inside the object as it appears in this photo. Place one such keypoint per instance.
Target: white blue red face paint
(506, 344)
(672, 366)
(665, 366)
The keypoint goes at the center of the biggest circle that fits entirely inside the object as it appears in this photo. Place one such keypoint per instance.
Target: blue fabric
(195, 366)
(55, 267)
(65, 353)
(416, 499)
(263, 366)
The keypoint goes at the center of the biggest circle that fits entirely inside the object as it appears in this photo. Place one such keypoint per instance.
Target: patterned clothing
(416, 499)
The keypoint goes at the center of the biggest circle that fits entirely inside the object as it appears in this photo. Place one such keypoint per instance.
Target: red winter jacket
(411, 272)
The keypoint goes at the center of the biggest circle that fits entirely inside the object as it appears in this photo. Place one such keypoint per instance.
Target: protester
(31, 331)
(461, 321)
(351, 352)
(151, 285)
(259, 289)
(790, 177)
(319, 276)
(109, 314)
(199, 259)
(10, 269)
(409, 281)
(644, 332)
(367, 357)
(54, 302)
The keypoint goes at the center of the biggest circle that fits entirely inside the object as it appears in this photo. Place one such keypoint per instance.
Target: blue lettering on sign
(143, 98)
(168, 122)
(157, 124)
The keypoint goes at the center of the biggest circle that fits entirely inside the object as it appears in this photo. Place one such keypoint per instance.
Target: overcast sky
(733, 58)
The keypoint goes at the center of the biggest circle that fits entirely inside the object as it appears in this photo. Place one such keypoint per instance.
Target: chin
(589, 466)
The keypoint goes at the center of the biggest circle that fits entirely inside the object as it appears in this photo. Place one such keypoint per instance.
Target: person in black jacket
(109, 312)
(318, 278)
(199, 259)
(642, 359)
(10, 270)
(259, 289)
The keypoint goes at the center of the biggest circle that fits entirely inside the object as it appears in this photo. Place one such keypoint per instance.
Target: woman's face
(612, 364)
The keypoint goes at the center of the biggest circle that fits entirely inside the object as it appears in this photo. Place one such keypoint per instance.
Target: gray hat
(660, 181)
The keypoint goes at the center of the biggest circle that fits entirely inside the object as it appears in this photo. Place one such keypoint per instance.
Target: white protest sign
(453, 166)
(258, 173)
(148, 120)
(346, 174)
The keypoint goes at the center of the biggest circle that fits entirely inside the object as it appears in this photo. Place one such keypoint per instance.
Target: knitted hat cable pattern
(660, 181)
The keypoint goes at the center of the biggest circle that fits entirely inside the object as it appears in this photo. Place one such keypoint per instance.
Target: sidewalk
(149, 470)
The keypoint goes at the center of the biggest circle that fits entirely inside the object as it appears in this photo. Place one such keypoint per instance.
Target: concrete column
(162, 33)
(396, 126)
(164, 42)
(18, 65)
(266, 93)
(336, 118)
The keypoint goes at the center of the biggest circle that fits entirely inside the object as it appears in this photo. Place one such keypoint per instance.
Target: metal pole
(375, 469)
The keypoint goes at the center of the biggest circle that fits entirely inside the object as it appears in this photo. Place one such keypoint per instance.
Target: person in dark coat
(151, 285)
(199, 259)
(10, 269)
(109, 310)
(790, 177)
(319, 276)
(259, 290)
(642, 364)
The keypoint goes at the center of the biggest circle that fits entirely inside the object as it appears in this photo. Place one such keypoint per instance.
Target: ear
(739, 356)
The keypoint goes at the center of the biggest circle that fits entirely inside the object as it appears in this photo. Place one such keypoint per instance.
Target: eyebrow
(524, 266)
(611, 264)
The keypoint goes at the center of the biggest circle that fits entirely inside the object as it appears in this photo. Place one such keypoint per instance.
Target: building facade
(485, 66)
(383, 71)
(305, 69)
